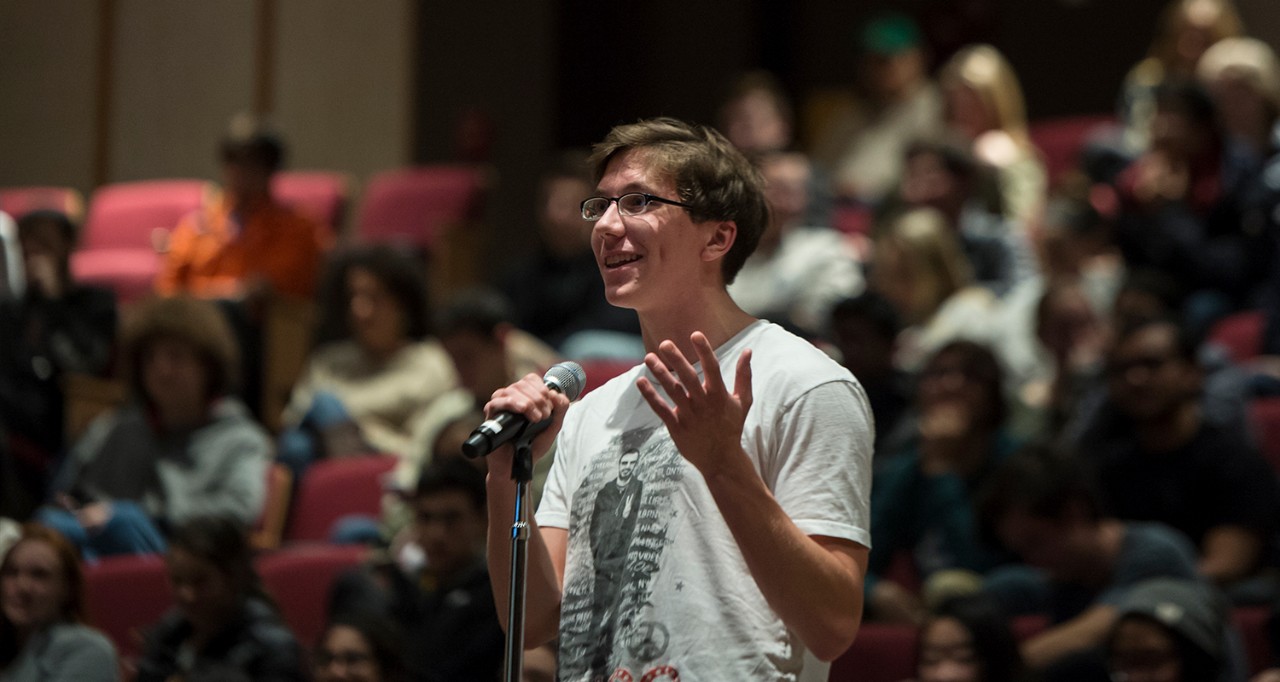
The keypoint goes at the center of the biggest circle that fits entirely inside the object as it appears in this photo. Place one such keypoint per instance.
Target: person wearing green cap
(895, 103)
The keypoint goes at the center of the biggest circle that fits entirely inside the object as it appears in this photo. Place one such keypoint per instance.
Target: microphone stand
(521, 473)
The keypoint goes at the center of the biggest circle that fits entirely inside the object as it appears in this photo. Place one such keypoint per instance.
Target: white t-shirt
(655, 585)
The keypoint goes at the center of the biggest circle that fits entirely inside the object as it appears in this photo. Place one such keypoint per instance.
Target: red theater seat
(124, 595)
(19, 201)
(1061, 139)
(1239, 334)
(881, 653)
(333, 488)
(299, 579)
(117, 248)
(1265, 415)
(320, 195)
(415, 206)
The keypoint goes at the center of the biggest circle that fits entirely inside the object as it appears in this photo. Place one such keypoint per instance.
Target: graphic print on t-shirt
(624, 506)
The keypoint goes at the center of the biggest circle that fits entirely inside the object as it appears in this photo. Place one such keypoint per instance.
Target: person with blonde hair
(920, 268)
(183, 447)
(1186, 30)
(985, 105)
(1243, 77)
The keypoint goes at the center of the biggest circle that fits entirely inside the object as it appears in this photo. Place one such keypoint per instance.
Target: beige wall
(342, 85)
(47, 91)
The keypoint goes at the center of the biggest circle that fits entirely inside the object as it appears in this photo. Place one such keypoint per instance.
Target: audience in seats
(244, 245)
(182, 447)
(443, 600)
(56, 328)
(223, 624)
(945, 177)
(367, 388)
(1079, 564)
(896, 102)
(758, 118)
(488, 352)
(1243, 77)
(968, 639)
(359, 647)
(922, 495)
(556, 294)
(1174, 630)
(984, 105)
(1185, 30)
(1160, 457)
(43, 637)
(1184, 211)
(863, 331)
(798, 271)
(919, 267)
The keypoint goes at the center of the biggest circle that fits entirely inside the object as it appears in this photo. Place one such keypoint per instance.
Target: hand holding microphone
(566, 378)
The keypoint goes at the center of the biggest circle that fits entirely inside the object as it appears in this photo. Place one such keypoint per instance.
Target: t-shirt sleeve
(821, 474)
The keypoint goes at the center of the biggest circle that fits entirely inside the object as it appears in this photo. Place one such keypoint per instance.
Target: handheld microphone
(565, 377)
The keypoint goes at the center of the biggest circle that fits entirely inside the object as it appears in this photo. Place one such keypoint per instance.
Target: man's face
(1046, 544)
(627, 466)
(244, 179)
(1146, 377)
(449, 528)
(652, 260)
(481, 361)
(926, 181)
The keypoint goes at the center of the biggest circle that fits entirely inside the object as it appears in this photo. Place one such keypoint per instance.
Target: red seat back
(1061, 139)
(416, 205)
(1265, 415)
(300, 578)
(881, 653)
(124, 595)
(19, 201)
(1239, 334)
(123, 215)
(320, 195)
(600, 370)
(333, 488)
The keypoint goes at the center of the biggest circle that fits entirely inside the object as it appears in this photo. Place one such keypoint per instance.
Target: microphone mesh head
(568, 376)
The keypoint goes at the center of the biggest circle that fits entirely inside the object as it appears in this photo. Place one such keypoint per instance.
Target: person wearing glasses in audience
(749, 547)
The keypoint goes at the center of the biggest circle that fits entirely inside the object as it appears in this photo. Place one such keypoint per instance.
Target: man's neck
(1170, 431)
(715, 315)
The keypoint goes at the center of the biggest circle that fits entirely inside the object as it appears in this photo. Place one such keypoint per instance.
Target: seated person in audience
(360, 647)
(1174, 631)
(222, 622)
(863, 330)
(10, 259)
(919, 268)
(758, 118)
(182, 447)
(1073, 334)
(922, 496)
(488, 352)
(1183, 214)
(365, 390)
(896, 102)
(1186, 29)
(798, 271)
(243, 244)
(42, 632)
(445, 604)
(945, 177)
(984, 105)
(1160, 457)
(1043, 507)
(968, 639)
(1242, 75)
(57, 327)
(557, 294)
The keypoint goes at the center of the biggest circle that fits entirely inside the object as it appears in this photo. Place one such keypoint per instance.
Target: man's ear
(720, 240)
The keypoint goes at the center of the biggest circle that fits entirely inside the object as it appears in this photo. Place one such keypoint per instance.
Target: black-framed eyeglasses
(633, 203)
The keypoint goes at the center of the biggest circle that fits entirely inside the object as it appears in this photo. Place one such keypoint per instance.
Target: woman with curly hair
(184, 446)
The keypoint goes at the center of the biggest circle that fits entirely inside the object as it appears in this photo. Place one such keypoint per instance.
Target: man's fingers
(680, 365)
(710, 365)
(659, 406)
